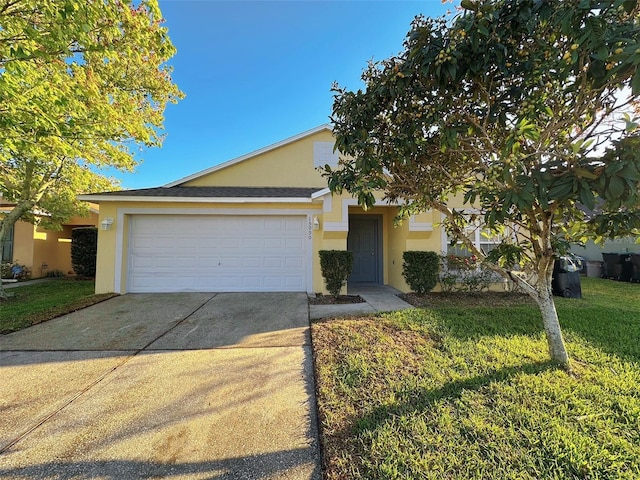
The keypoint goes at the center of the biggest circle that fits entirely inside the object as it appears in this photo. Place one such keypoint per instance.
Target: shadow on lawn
(422, 399)
(614, 330)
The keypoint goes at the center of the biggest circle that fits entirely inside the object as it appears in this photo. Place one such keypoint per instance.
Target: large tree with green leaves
(82, 83)
(522, 108)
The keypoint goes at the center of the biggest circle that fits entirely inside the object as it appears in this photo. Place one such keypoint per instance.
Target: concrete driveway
(180, 386)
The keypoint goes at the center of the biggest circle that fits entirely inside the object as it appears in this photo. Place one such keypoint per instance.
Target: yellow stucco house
(254, 223)
(42, 250)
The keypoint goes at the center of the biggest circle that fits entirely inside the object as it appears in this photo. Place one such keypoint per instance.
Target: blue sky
(257, 72)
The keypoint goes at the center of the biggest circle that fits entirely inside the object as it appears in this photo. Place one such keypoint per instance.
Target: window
(7, 248)
(482, 238)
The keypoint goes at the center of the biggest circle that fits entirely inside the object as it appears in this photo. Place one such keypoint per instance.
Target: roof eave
(164, 199)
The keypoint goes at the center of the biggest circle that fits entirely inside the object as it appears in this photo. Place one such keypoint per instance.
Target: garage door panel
(153, 264)
(294, 283)
(252, 262)
(294, 262)
(273, 243)
(143, 242)
(209, 262)
(230, 262)
(273, 262)
(252, 243)
(294, 243)
(217, 253)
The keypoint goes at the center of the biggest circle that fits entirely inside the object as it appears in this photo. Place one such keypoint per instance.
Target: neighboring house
(593, 252)
(42, 250)
(255, 223)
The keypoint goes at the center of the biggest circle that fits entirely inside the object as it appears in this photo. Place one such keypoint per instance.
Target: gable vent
(323, 154)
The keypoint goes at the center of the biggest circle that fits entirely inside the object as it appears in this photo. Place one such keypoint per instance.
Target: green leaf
(587, 198)
(561, 190)
(629, 5)
(635, 83)
(583, 172)
(616, 188)
(469, 5)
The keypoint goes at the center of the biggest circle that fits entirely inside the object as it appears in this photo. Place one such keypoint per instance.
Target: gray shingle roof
(230, 192)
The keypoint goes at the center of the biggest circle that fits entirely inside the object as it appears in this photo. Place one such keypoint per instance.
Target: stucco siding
(23, 234)
(290, 165)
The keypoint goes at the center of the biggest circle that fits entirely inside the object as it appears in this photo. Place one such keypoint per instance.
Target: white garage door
(171, 253)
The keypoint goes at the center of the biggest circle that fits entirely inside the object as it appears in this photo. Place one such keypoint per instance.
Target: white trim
(419, 226)
(343, 225)
(309, 279)
(150, 199)
(320, 193)
(255, 153)
(327, 203)
(216, 211)
(444, 240)
(327, 199)
(121, 212)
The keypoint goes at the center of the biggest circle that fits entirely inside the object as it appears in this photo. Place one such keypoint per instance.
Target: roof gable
(288, 163)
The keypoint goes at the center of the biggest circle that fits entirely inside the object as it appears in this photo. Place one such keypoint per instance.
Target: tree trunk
(541, 292)
(555, 341)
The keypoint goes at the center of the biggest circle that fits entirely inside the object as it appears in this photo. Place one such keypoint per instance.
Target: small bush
(420, 270)
(465, 274)
(84, 249)
(55, 274)
(336, 267)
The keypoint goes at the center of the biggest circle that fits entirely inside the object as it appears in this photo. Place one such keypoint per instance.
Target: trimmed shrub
(84, 249)
(420, 270)
(336, 266)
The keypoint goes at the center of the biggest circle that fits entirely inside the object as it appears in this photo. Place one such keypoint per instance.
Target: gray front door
(364, 241)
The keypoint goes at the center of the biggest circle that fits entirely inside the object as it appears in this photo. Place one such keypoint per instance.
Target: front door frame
(379, 277)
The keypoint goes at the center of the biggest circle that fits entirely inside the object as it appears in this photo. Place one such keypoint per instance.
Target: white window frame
(475, 234)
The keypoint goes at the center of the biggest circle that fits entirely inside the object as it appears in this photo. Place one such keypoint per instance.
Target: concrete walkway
(377, 298)
(180, 386)
(9, 284)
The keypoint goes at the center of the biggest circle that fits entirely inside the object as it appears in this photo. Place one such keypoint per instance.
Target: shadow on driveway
(288, 464)
(161, 386)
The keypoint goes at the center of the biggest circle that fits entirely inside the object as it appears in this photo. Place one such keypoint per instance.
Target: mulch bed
(466, 299)
(321, 299)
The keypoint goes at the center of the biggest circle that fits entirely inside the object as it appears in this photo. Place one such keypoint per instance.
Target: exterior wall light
(106, 223)
(316, 223)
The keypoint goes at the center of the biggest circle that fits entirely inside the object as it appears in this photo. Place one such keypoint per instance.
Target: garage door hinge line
(44, 419)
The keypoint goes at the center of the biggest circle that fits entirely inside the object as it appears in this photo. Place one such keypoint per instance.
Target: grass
(31, 304)
(455, 391)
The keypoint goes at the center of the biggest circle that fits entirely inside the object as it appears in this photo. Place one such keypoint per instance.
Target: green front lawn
(31, 304)
(467, 392)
